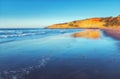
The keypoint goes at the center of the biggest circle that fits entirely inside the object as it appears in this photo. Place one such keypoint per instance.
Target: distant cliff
(91, 23)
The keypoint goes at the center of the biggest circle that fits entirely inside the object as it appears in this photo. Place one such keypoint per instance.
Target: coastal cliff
(107, 22)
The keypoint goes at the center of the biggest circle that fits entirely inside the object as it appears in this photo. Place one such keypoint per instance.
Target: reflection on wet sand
(90, 33)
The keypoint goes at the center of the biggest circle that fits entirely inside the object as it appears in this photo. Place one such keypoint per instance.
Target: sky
(42, 13)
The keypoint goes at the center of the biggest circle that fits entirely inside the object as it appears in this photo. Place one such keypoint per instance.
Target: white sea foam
(3, 36)
(19, 74)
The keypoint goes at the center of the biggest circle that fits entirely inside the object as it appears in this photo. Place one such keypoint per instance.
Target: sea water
(56, 54)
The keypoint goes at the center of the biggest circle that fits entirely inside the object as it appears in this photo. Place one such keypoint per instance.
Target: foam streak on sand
(21, 73)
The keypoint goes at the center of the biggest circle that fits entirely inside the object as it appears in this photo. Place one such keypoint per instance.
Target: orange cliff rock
(91, 23)
(118, 17)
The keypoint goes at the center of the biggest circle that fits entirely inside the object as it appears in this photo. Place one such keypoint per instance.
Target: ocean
(34, 53)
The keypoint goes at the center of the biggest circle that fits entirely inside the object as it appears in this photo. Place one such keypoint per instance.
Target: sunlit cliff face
(106, 22)
(91, 34)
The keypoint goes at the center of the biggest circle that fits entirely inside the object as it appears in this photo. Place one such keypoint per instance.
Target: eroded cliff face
(91, 23)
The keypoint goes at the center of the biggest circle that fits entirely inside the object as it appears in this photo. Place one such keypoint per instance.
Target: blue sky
(41, 13)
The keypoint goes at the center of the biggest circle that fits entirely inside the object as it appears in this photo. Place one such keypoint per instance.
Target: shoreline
(94, 33)
(111, 31)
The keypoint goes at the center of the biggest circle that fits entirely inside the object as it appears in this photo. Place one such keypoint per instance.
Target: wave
(8, 35)
(19, 34)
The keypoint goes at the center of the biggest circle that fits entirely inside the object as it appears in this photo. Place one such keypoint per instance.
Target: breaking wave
(20, 34)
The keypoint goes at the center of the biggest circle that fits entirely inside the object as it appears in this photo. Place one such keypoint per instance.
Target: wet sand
(114, 33)
(96, 34)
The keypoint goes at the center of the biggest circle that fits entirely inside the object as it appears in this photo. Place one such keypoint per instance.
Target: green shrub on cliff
(110, 21)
